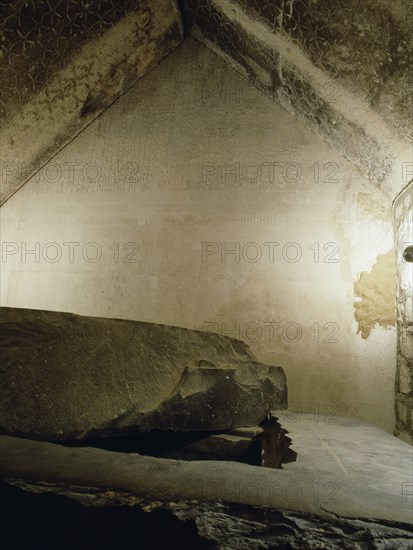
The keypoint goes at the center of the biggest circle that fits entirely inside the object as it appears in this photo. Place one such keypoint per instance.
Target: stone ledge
(371, 478)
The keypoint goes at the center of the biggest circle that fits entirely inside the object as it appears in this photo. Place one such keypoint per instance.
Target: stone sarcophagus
(66, 376)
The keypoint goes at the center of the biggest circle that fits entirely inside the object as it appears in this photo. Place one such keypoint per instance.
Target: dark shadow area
(267, 445)
(56, 522)
(33, 520)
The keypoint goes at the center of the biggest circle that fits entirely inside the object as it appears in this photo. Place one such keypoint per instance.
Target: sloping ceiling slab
(341, 66)
(62, 63)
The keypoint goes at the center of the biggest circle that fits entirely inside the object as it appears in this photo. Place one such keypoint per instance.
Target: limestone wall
(197, 201)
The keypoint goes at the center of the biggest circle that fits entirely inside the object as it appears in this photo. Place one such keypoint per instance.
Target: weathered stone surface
(71, 518)
(62, 64)
(343, 68)
(66, 376)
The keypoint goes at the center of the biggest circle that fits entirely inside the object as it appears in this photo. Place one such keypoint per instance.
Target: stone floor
(355, 478)
(340, 453)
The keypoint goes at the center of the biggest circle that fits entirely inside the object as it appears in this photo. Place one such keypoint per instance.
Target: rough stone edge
(221, 524)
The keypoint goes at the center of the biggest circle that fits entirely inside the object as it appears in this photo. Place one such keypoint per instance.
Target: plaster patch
(375, 295)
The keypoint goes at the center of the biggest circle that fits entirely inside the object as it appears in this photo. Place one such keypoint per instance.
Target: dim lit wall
(197, 201)
(403, 213)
